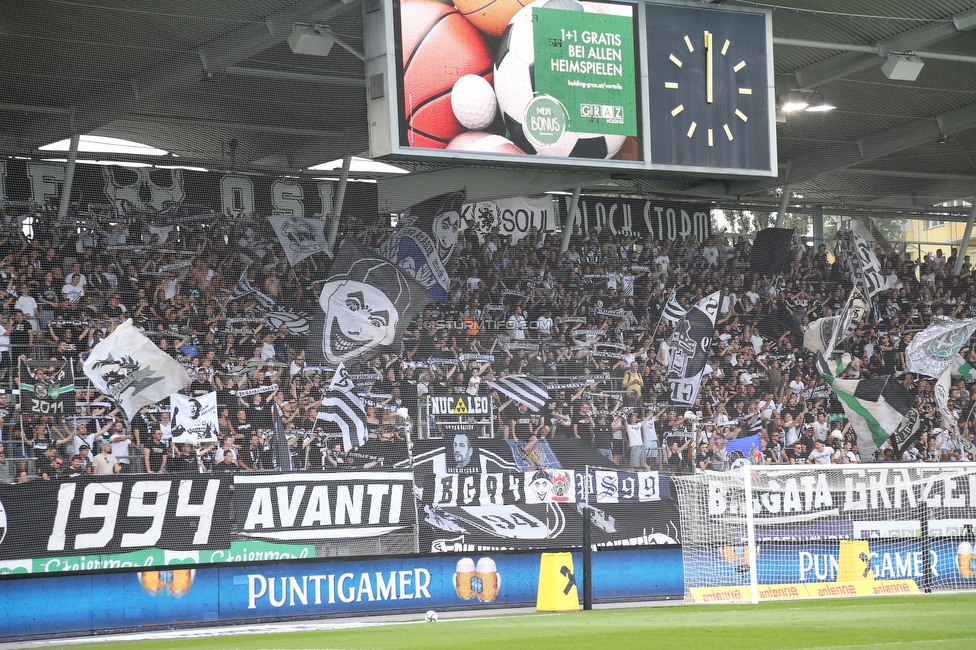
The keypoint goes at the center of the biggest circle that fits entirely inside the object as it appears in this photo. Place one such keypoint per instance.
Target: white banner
(515, 216)
(300, 237)
(194, 418)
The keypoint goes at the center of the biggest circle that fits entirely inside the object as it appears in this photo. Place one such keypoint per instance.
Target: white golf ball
(473, 101)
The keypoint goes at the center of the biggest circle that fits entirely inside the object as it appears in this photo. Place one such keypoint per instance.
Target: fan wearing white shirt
(821, 454)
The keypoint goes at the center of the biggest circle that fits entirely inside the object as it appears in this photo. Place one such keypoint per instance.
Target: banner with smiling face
(365, 305)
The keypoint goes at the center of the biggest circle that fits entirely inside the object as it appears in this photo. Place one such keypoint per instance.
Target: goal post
(788, 532)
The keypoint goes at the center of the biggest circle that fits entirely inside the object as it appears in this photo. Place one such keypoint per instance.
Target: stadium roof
(216, 85)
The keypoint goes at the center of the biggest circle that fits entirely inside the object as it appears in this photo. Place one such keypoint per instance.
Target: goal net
(764, 533)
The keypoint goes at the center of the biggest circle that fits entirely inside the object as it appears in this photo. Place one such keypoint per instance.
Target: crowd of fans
(592, 317)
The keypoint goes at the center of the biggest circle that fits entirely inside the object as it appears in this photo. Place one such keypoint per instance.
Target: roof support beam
(398, 193)
(230, 126)
(299, 77)
(842, 65)
(170, 76)
(848, 154)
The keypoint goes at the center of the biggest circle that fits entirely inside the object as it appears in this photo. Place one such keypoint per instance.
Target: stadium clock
(709, 81)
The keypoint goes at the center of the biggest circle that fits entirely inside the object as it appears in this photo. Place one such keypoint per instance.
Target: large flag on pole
(673, 311)
(824, 334)
(949, 420)
(300, 237)
(424, 241)
(367, 302)
(343, 407)
(770, 250)
(690, 341)
(130, 369)
(524, 389)
(932, 350)
(877, 408)
(863, 263)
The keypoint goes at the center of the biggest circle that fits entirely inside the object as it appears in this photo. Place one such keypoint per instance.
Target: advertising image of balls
(471, 80)
(490, 16)
(429, 29)
(516, 89)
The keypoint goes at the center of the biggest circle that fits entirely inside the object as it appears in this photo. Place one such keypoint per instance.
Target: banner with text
(649, 219)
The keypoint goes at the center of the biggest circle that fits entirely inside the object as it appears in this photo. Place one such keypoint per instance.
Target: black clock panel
(728, 128)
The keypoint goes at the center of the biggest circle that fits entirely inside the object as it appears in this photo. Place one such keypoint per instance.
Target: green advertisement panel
(585, 62)
(239, 551)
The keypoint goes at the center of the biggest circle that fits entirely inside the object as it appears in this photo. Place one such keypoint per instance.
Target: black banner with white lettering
(309, 506)
(114, 514)
(145, 188)
(543, 509)
(651, 219)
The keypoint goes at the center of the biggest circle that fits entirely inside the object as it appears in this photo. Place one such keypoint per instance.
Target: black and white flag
(300, 237)
(366, 303)
(130, 369)
(690, 341)
(673, 311)
(423, 244)
(524, 389)
(343, 407)
(863, 263)
(824, 334)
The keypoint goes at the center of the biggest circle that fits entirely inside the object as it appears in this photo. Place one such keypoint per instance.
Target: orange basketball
(628, 151)
(439, 47)
(485, 142)
(490, 16)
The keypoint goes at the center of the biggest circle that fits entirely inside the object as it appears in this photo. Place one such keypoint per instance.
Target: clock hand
(708, 67)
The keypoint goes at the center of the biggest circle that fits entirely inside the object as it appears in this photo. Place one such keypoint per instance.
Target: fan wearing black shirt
(156, 453)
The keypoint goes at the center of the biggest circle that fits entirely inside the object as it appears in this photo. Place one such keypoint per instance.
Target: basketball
(439, 47)
(490, 16)
(484, 142)
(629, 150)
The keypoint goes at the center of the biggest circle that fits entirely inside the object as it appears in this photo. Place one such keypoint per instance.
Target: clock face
(708, 89)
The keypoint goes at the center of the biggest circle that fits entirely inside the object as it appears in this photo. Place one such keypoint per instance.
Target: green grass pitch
(933, 621)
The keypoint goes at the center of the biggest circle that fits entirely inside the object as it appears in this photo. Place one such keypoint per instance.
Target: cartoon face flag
(130, 369)
(425, 240)
(690, 341)
(300, 237)
(194, 418)
(366, 303)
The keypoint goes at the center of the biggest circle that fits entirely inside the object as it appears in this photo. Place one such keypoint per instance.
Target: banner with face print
(194, 419)
(365, 304)
(424, 242)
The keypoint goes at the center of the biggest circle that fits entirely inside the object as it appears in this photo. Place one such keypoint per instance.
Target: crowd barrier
(189, 594)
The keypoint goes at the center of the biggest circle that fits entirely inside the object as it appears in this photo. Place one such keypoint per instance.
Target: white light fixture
(100, 144)
(820, 105)
(793, 101)
(902, 67)
(306, 39)
(361, 165)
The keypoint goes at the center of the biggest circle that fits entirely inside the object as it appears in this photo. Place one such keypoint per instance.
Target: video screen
(553, 79)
